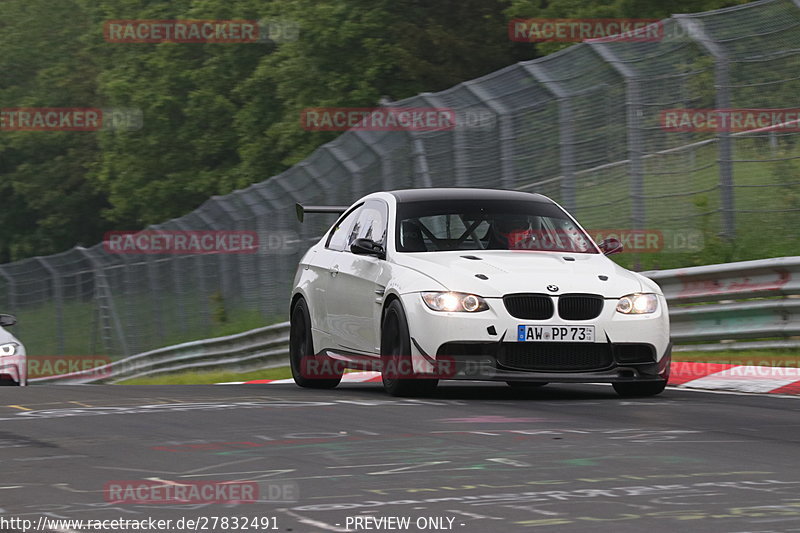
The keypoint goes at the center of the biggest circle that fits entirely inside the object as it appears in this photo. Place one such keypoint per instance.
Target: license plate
(555, 333)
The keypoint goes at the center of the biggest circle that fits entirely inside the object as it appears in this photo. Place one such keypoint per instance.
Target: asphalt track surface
(471, 458)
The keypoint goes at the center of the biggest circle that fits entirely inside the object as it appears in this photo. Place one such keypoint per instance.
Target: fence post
(635, 131)
(238, 259)
(422, 172)
(357, 181)
(221, 260)
(506, 137)
(58, 302)
(129, 303)
(723, 101)
(155, 295)
(103, 292)
(380, 155)
(202, 291)
(257, 258)
(566, 139)
(460, 175)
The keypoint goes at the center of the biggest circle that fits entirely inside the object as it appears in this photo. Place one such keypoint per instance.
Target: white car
(474, 284)
(13, 361)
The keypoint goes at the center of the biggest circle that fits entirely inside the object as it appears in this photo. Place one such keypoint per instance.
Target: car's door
(356, 288)
(323, 273)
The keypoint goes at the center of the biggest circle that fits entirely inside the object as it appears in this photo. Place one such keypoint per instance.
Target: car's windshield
(436, 225)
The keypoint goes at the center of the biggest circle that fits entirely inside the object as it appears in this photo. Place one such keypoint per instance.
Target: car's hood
(523, 271)
(6, 336)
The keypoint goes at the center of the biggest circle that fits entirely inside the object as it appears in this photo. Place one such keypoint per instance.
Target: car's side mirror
(610, 246)
(7, 320)
(367, 247)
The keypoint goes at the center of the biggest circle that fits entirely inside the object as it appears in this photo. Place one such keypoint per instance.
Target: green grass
(785, 358)
(203, 378)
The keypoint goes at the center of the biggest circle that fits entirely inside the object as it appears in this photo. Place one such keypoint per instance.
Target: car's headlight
(9, 348)
(638, 304)
(454, 301)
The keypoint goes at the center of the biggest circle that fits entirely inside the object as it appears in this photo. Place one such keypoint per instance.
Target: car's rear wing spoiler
(303, 209)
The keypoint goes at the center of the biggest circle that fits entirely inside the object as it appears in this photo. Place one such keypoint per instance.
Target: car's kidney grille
(579, 307)
(556, 356)
(529, 306)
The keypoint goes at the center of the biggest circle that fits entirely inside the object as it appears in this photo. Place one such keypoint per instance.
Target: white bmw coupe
(474, 284)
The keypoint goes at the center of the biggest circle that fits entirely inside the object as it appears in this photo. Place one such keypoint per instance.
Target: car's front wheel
(307, 371)
(645, 388)
(397, 372)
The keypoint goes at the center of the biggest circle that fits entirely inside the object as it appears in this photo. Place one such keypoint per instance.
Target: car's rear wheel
(307, 371)
(7, 382)
(645, 388)
(397, 372)
(523, 385)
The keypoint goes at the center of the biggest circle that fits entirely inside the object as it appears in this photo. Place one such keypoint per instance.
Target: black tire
(301, 352)
(525, 385)
(641, 389)
(9, 383)
(396, 372)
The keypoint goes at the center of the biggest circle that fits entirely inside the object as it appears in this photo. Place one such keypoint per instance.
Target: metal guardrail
(258, 349)
(753, 301)
(757, 302)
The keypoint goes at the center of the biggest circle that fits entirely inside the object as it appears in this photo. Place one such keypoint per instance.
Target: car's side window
(339, 238)
(372, 223)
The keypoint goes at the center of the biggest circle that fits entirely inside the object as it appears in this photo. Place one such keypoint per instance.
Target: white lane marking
(510, 462)
(48, 457)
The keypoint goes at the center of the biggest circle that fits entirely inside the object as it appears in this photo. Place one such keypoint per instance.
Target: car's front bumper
(489, 367)
(14, 368)
(477, 345)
